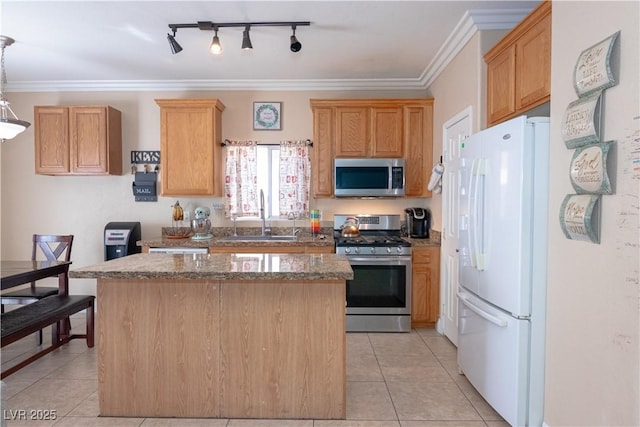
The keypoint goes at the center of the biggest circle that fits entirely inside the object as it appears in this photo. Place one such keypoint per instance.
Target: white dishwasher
(178, 250)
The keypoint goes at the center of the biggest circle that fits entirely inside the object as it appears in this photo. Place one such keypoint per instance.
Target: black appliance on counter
(418, 221)
(120, 239)
(379, 295)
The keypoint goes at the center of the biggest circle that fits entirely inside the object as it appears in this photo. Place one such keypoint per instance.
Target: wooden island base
(221, 348)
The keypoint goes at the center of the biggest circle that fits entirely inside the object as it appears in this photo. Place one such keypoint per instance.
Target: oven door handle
(376, 259)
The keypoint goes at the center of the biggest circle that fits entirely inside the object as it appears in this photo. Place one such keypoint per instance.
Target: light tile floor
(393, 380)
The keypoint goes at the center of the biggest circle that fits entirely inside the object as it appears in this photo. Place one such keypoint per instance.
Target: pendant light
(10, 125)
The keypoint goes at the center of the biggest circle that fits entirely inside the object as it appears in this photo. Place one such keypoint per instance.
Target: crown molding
(217, 85)
(471, 22)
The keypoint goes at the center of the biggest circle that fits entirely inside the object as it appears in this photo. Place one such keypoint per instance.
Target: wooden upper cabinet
(191, 161)
(533, 65)
(78, 140)
(519, 67)
(352, 131)
(501, 85)
(365, 128)
(418, 148)
(322, 153)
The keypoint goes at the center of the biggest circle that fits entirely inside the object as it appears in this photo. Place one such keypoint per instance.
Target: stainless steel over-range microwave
(368, 177)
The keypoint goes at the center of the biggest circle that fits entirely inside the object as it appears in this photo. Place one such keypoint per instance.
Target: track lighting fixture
(246, 41)
(295, 44)
(173, 44)
(215, 46)
(10, 125)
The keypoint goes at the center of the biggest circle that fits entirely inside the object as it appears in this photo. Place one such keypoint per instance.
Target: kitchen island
(221, 335)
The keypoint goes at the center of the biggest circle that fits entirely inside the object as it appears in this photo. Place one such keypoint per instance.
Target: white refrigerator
(503, 250)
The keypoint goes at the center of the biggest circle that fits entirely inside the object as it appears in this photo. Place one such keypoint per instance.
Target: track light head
(295, 43)
(215, 47)
(246, 41)
(173, 44)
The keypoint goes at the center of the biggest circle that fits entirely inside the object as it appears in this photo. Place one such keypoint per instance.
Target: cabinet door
(425, 280)
(322, 152)
(52, 140)
(88, 139)
(352, 131)
(191, 156)
(418, 148)
(533, 65)
(501, 85)
(386, 132)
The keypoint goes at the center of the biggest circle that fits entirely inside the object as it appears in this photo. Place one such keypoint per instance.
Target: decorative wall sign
(267, 116)
(579, 217)
(589, 169)
(593, 71)
(581, 121)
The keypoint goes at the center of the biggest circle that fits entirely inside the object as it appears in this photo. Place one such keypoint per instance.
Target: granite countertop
(259, 266)
(304, 239)
(324, 238)
(433, 240)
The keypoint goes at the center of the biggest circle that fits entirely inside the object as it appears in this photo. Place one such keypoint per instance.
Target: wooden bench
(50, 311)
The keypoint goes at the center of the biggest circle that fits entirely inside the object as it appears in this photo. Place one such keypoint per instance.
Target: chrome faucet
(292, 216)
(262, 216)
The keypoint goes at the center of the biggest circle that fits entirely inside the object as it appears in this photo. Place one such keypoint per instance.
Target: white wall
(461, 84)
(592, 363)
(83, 205)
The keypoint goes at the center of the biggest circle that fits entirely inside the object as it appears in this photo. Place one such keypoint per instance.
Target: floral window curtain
(295, 176)
(240, 181)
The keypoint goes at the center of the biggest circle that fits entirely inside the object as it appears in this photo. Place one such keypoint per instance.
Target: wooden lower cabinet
(425, 282)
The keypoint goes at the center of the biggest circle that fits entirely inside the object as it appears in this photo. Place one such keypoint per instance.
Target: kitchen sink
(260, 238)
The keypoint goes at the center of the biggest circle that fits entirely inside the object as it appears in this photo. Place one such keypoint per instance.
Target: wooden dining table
(15, 273)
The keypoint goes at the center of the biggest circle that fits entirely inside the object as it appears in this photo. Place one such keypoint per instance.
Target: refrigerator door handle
(480, 312)
(477, 185)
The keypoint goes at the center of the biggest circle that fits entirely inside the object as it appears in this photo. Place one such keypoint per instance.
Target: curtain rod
(226, 141)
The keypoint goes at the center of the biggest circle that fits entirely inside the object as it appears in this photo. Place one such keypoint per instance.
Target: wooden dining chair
(54, 248)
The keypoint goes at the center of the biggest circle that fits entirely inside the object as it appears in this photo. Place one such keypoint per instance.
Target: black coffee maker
(418, 222)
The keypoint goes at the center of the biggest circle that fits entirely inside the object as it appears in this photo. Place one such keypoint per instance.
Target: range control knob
(399, 249)
(357, 250)
(347, 250)
(373, 250)
(388, 250)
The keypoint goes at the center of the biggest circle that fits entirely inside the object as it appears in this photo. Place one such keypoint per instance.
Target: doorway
(454, 132)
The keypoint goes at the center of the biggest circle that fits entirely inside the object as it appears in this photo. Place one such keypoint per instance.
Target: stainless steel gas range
(379, 296)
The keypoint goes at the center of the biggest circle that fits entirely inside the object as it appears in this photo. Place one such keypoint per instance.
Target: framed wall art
(267, 116)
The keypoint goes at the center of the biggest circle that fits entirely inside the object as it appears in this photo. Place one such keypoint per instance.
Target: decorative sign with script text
(581, 121)
(589, 169)
(579, 217)
(593, 70)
